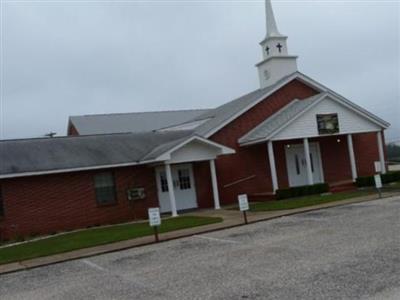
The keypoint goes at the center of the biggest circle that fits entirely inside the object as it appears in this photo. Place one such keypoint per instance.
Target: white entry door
(184, 187)
(297, 165)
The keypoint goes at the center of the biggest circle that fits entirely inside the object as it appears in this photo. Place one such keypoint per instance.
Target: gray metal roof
(75, 152)
(224, 112)
(132, 122)
(279, 119)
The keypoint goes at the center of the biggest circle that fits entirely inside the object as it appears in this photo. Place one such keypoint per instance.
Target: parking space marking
(216, 239)
(93, 265)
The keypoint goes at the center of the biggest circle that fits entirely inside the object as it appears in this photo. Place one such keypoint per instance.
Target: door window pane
(163, 182)
(296, 158)
(312, 163)
(184, 179)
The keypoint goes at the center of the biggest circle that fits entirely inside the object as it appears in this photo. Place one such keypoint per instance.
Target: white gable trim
(329, 95)
(306, 80)
(224, 150)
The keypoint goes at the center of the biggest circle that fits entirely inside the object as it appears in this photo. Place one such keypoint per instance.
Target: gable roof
(207, 121)
(293, 111)
(131, 122)
(61, 154)
(279, 119)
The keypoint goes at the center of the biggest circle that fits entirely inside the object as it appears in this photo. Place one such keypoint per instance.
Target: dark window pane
(1, 203)
(296, 158)
(105, 188)
(184, 179)
(164, 182)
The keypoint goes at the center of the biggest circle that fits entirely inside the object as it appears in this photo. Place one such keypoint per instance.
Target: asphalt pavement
(346, 252)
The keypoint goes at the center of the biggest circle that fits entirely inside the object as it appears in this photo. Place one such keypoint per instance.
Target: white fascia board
(70, 170)
(262, 123)
(325, 135)
(224, 150)
(334, 97)
(287, 123)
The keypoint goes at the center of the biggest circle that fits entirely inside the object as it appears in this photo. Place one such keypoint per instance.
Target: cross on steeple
(267, 50)
(279, 46)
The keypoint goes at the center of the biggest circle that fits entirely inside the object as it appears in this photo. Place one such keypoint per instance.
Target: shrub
(302, 191)
(386, 178)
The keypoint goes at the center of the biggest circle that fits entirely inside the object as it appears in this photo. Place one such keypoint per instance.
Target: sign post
(155, 220)
(243, 206)
(378, 184)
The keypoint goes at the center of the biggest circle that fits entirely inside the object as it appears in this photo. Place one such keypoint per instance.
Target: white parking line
(216, 239)
(93, 265)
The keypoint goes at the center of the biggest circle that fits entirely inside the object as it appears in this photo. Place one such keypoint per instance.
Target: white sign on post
(378, 181)
(378, 167)
(243, 202)
(154, 217)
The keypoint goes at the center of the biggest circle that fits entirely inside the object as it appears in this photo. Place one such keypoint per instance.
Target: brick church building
(292, 131)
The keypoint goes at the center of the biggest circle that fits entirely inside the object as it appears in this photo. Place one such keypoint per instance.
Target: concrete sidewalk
(231, 219)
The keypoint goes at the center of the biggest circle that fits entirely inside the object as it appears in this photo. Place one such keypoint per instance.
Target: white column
(214, 184)
(308, 161)
(352, 157)
(171, 190)
(381, 152)
(272, 166)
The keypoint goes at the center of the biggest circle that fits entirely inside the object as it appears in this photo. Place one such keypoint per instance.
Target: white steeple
(277, 63)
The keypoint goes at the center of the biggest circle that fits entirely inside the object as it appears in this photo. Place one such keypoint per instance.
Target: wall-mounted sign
(154, 216)
(243, 202)
(328, 123)
(136, 194)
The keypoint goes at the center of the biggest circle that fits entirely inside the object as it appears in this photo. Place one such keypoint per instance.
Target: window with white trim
(105, 188)
(328, 123)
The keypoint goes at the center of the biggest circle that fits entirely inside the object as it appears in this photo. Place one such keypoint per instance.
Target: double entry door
(297, 165)
(183, 184)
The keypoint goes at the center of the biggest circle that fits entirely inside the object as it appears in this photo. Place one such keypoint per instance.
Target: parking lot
(347, 252)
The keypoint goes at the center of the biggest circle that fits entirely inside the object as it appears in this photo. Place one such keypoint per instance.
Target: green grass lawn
(304, 201)
(96, 236)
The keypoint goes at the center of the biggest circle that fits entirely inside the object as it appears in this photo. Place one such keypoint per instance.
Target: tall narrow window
(312, 163)
(296, 160)
(105, 188)
(164, 182)
(1, 203)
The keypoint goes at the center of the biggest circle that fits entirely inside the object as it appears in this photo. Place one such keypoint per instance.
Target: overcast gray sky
(71, 58)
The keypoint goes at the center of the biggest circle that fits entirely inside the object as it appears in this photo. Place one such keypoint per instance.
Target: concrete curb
(169, 236)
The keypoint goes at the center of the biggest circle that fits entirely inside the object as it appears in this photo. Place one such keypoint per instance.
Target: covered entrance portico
(176, 182)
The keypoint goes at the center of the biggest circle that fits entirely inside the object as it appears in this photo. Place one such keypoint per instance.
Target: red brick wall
(202, 177)
(366, 152)
(335, 158)
(253, 160)
(45, 204)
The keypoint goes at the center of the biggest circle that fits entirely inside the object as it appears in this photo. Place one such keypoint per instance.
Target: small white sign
(378, 181)
(378, 167)
(243, 202)
(154, 217)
